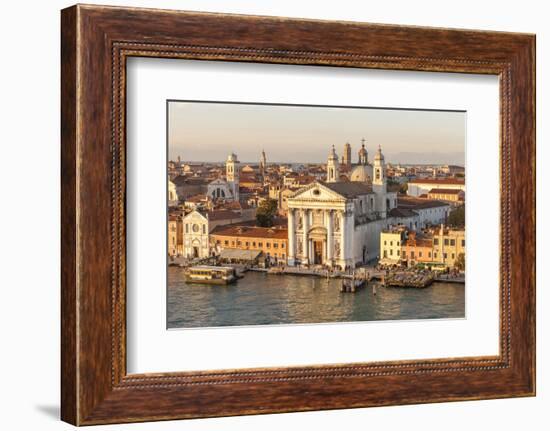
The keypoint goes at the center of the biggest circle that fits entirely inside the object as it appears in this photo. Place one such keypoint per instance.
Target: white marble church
(338, 223)
(227, 189)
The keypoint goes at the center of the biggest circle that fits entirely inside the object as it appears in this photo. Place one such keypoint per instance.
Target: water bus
(205, 274)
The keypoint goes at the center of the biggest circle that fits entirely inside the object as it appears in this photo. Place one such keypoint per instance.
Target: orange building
(417, 249)
(272, 241)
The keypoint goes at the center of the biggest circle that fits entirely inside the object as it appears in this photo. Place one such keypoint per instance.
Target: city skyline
(305, 134)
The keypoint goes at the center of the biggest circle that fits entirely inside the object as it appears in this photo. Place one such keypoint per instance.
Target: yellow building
(448, 195)
(390, 245)
(441, 247)
(448, 245)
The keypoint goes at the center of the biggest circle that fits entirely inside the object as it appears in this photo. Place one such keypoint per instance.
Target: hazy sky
(210, 131)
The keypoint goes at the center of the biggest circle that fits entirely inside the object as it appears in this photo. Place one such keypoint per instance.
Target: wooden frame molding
(95, 42)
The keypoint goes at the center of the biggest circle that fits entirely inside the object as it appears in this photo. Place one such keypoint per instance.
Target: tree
(266, 213)
(457, 217)
(460, 262)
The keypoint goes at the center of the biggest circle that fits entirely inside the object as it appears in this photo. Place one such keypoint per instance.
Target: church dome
(362, 174)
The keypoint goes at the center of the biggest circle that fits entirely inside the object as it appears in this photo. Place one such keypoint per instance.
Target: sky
(209, 131)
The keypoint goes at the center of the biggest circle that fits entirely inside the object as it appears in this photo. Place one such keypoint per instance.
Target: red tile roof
(445, 191)
(437, 181)
(251, 232)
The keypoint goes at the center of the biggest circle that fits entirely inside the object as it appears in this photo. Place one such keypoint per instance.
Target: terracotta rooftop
(455, 181)
(251, 232)
(446, 191)
(196, 198)
(223, 215)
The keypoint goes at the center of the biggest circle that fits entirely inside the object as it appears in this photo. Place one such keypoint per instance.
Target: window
(419, 254)
(385, 254)
(275, 245)
(233, 243)
(444, 255)
(436, 241)
(239, 243)
(247, 244)
(463, 243)
(452, 256)
(391, 252)
(452, 242)
(404, 254)
(253, 243)
(226, 242)
(435, 255)
(186, 228)
(260, 244)
(391, 243)
(385, 243)
(429, 254)
(268, 244)
(412, 254)
(446, 241)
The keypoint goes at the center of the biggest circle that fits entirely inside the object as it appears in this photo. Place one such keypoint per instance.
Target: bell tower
(333, 168)
(232, 174)
(363, 154)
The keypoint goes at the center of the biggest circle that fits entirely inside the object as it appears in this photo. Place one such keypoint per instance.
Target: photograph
(305, 214)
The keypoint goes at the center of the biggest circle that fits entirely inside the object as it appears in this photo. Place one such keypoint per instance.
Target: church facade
(338, 222)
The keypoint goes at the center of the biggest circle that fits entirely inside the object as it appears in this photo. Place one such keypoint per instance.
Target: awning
(237, 254)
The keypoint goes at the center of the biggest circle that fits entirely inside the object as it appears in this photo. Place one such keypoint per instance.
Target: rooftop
(401, 212)
(251, 232)
(349, 189)
(222, 215)
(446, 191)
(454, 181)
(409, 202)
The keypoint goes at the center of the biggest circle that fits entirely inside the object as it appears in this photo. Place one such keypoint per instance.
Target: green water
(261, 299)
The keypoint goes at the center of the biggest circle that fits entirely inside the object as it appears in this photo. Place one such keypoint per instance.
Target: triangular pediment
(217, 182)
(317, 191)
(195, 215)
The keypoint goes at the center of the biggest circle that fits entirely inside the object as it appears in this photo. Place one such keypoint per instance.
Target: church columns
(330, 242)
(305, 240)
(291, 237)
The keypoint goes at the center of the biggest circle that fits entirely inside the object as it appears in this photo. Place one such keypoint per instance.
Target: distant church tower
(333, 169)
(363, 154)
(379, 183)
(232, 174)
(346, 158)
(263, 164)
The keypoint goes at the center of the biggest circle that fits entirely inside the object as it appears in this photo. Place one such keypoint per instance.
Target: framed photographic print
(266, 215)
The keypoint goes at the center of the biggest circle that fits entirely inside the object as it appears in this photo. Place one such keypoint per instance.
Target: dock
(408, 279)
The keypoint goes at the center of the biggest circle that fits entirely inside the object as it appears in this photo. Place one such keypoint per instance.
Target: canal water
(261, 299)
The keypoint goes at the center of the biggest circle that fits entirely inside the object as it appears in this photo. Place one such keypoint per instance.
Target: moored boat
(205, 274)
